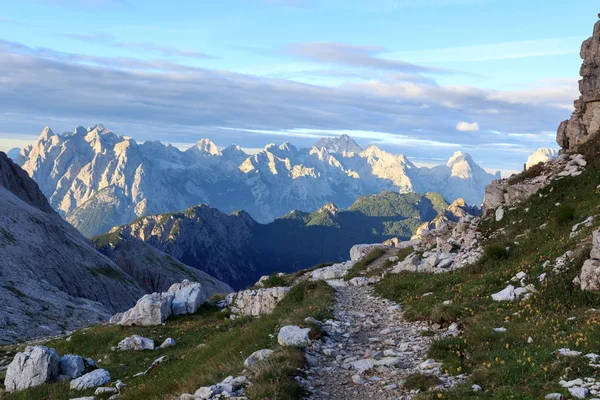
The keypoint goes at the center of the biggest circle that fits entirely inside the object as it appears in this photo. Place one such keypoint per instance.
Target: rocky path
(369, 350)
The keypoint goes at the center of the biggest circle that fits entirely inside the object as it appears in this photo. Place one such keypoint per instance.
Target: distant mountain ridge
(97, 179)
(238, 250)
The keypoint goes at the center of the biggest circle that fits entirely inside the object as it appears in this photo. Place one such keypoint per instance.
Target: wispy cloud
(495, 51)
(354, 56)
(109, 40)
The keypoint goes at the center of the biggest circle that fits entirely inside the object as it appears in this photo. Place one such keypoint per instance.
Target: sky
(425, 78)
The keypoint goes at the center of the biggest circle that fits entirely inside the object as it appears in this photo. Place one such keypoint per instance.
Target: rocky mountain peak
(329, 208)
(342, 144)
(541, 156)
(585, 120)
(46, 134)
(459, 157)
(206, 146)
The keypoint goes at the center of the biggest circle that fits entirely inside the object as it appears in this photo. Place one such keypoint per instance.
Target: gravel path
(368, 351)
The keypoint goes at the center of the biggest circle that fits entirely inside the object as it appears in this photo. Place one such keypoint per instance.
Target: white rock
(152, 309)
(507, 294)
(553, 396)
(136, 343)
(90, 380)
(569, 353)
(476, 388)
(293, 336)
(102, 391)
(579, 392)
(169, 342)
(361, 250)
(501, 330)
(499, 214)
(33, 367)
(256, 302)
(257, 356)
(429, 365)
(187, 297)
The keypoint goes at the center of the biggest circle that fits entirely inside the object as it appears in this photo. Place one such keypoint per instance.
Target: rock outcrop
(293, 336)
(589, 279)
(584, 124)
(154, 309)
(135, 343)
(256, 302)
(33, 367)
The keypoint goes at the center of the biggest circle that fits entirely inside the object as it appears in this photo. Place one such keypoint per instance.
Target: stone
(72, 366)
(595, 253)
(135, 343)
(553, 396)
(335, 271)
(476, 388)
(585, 120)
(256, 302)
(257, 356)
(589, 278)
(90, 380)
(361, 250)
(106, 390)
(293, 336)
(507, 294)
(499, 214)
(33, 367)
(187, 297)
(579, 392)
(169, 342)
(151, 309)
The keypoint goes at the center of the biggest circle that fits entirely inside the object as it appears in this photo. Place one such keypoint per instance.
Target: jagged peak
(206, 146)
(458, 157)
(80, 130)
(341, 144)
(269, 146)
(287, 146)
(46, 134)
(329, 208)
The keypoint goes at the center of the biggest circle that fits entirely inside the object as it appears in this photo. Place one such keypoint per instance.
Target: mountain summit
(342, 144)
(97, 179)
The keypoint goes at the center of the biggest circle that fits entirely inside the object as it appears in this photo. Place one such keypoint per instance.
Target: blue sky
(490, 77)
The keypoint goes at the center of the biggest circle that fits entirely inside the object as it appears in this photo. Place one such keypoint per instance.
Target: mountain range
(51, 277)
(97, 179)
(238, 250)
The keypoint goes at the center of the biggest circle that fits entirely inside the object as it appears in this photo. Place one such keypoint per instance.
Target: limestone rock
(72, 366)
(360, 250)
(33, 367)
(585, 121)
(169, 342)
(151, 309)
(135, 343)
(90, 380)
(257, 356)
(590, 275)
(187, 297)
(293, 336)
(256, 302)
(507, 294)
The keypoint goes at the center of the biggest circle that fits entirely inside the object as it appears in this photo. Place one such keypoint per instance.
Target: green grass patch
(359, 267)
(421, 382)
(209, 347)
(508, 365)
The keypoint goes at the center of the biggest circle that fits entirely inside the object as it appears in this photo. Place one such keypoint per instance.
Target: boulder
(595, 253)
(169, 342)
(410, 263)
(590, 275)
(257, 356)
(360, 250)
(72, 366)
(187, 297)
(256, 302)
(293, 336)
(499, 214)
(152, 309)
(135, 343)
(90, 380)
(507, 294)
(335, 271)
(33, 367)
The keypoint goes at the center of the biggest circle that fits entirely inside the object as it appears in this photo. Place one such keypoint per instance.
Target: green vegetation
(209, 347)
(509, 365)
(359, 267)
(421, 382)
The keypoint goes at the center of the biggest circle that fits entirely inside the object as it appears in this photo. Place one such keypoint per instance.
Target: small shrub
(275, 281)
(421, 382)
(495, 252)
(564, 214)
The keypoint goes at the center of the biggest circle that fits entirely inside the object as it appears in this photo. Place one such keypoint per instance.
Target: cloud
(163, 50)
(467, 127)
(354, 56)
(155, 99)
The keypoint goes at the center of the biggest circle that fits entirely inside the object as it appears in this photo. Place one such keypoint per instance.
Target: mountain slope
(98, 179)
(53, 279)
(236, 249)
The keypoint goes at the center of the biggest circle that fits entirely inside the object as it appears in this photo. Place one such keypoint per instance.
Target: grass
(209, 347)
(359, 267)
(420, 382)
(506, 365)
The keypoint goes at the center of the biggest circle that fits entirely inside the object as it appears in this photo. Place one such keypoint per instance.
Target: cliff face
(585, 121)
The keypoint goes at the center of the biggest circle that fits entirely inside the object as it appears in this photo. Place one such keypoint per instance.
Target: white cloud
(467, 127)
